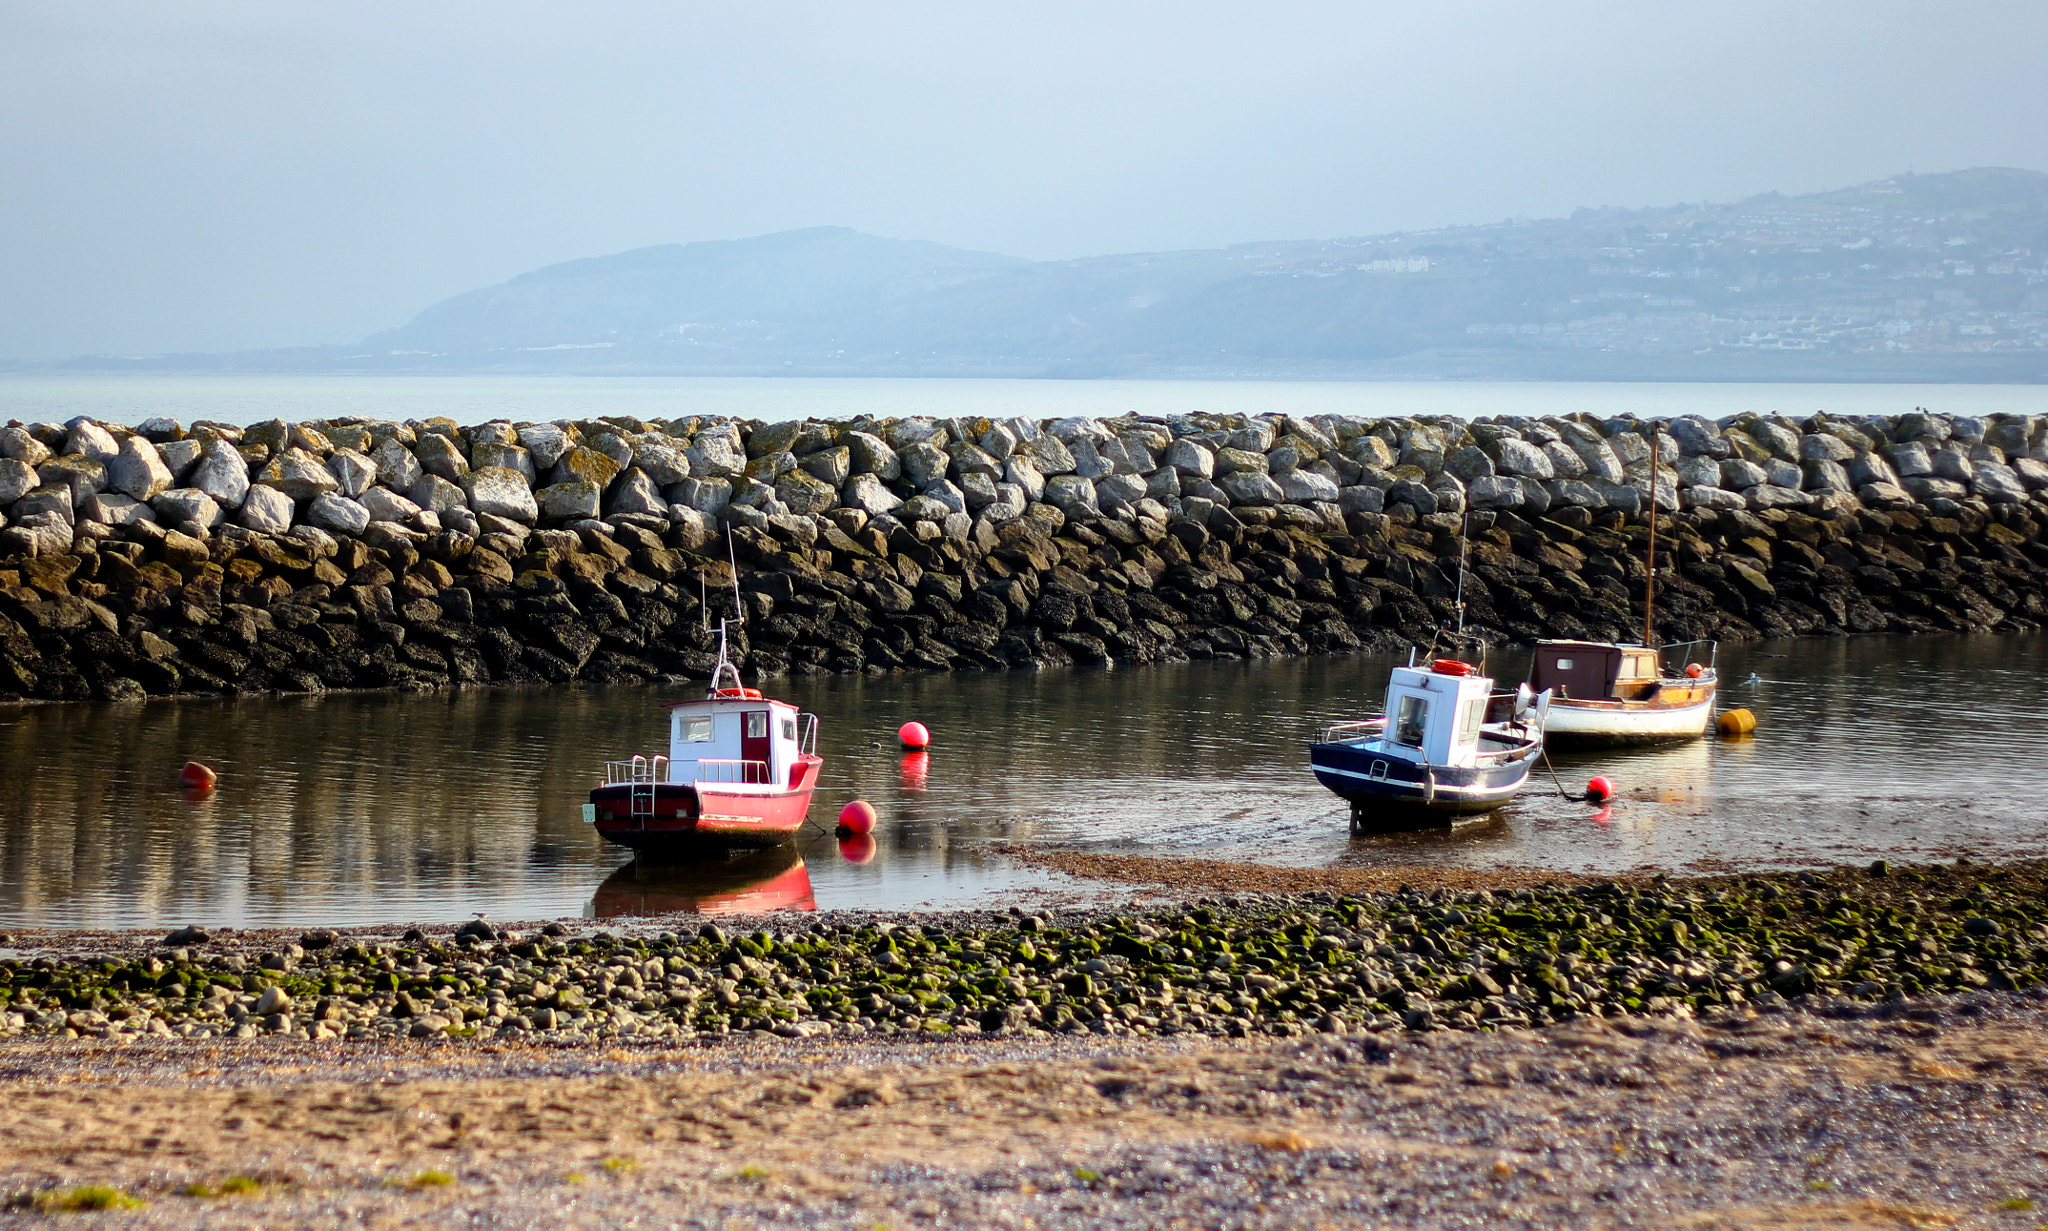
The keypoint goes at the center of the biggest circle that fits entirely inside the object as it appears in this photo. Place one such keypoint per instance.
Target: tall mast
(1650, 571)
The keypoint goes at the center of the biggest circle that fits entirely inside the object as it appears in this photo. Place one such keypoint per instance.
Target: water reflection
(357, 808)
(748, 884)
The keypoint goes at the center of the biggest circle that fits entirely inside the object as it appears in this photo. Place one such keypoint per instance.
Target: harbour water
(34, 396)
(402, 808)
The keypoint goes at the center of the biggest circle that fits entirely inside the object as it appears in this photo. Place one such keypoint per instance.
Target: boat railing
(1346, 732)
(1711, 656)
(807, 742)
(639, 769)
(718, 769)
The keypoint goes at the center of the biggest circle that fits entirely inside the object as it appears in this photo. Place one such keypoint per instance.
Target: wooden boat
(1615, 694)
(1607, 694)
(739, 772)
(1432, 756)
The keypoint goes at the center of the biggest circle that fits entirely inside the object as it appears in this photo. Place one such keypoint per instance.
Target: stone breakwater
(1411, 959)
(212, 558)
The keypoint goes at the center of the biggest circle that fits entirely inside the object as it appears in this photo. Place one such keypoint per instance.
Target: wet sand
(1901, 1116)
(1923, 1111)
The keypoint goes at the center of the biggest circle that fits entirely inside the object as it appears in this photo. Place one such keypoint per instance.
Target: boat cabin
(1437, 712)
(1595, 671)
(741, 739)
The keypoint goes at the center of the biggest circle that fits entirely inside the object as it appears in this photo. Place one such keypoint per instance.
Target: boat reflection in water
(749, 883)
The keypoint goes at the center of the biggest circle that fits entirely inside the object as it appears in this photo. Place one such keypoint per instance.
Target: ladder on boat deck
(645, 775)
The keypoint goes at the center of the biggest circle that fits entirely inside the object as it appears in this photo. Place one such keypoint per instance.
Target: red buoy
(857, 848)
(196, 775)
(1599, 791)
(857, 817)
(914, 736)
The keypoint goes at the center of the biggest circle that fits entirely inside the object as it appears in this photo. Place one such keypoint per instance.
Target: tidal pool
(359, 809)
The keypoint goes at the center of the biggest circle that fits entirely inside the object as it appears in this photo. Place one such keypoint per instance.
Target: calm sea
(473, 399)
(376, 808)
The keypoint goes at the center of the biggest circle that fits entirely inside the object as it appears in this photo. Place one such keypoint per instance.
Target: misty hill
(1914, 277)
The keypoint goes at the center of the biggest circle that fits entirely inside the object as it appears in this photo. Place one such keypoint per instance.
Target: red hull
(707, 813)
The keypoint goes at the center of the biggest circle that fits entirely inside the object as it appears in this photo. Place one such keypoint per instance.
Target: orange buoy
(857, 848)
(914, 736)
(1694, 671)
(857, 817)
(1599, 790)
(198, 776)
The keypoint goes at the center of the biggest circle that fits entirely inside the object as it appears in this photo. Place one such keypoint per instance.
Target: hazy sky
(221, 175)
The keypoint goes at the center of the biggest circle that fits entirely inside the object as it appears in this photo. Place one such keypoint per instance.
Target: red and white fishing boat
(739, 772)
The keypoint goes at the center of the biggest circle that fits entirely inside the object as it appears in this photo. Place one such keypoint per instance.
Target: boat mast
(1650, 571)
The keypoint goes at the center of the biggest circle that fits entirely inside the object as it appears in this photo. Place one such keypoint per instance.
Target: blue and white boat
(1433, 755)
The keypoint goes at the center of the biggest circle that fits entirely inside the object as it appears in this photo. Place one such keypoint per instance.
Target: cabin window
(1564, 664)
(1411, 721)
(757, 724)
(1475, 713)
(789, 729)
(697, 730)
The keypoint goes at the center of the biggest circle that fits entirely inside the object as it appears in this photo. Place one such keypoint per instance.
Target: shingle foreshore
(210, 558)
(1412, 959)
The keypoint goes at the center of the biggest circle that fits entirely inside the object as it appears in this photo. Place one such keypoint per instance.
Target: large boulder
(499, 453)
(871, 454)
(705, 496)
(77, 473)
(17, 444)
(1521, 459)
(222, 474)
(138, 471)
(831, 466)
(115, 509)
(387, 505)
(577, 498)
(1073, 495)
(1488, 492)
(1998, 483)
(1118, 491)
(17, 479)
(584, 464)
(716, 453)
(337, 513)
(1046, 454)
(437, 494)
(439, 454)
(397, 468)
(636, 492)
(1191, 457)
(353, 471)
(1766, 496)
(545, 443)
(1307, 487)
(91, 440)
(186, 504)
(923, 462)
(1024, 473)
(662, 459)
(805, 494)
(867, 493)
(1254, 488)
(266, 510)
(298, 474)
(504, 493)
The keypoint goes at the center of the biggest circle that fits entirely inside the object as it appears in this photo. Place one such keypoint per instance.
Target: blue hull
(1379, 782)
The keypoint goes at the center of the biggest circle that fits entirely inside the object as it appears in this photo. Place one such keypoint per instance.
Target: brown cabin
(1595, 671)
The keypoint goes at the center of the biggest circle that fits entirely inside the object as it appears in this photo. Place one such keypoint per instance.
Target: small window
(1564, 664)
(757, 724)
(1468, 725)
(697, 730)
(789, 729)
(1412, 721)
